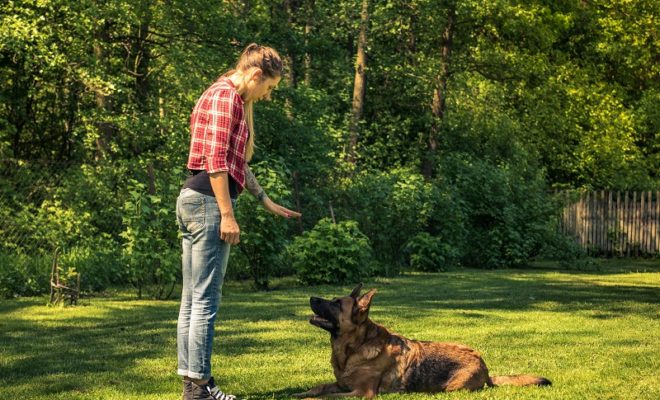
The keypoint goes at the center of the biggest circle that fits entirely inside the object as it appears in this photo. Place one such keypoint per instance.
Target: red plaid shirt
(219, 132)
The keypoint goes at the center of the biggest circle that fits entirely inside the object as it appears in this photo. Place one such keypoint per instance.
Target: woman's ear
(256, 74)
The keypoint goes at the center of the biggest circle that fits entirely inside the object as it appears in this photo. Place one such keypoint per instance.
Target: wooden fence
(613, 223)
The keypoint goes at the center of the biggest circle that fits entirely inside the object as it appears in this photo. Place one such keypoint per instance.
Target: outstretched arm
(257, 191)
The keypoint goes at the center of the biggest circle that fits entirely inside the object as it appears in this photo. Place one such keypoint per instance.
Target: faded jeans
(204, 263)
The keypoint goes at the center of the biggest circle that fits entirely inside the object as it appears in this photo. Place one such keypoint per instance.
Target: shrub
(263, 235)
(569, 254)
(24, 275)
(151, 251)
(97, 260)
(430, 254)
(507, 211)
(331, 253)
(392, 207)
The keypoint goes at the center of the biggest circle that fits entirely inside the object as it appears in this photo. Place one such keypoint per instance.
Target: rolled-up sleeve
(221, 114)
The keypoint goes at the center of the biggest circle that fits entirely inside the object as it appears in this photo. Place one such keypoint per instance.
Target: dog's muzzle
(319, 306)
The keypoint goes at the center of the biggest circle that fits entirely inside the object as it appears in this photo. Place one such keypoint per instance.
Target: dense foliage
(472, 110)
(260, 253)
(331, 253)
(430, 253)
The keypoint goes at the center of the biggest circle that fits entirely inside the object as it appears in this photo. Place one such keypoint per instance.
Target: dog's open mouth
(321, 322)
(323, 316)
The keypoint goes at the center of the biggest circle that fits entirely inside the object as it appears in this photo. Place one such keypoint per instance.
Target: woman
(222, 142)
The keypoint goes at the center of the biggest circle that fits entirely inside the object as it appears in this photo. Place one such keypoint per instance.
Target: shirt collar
(231, 85)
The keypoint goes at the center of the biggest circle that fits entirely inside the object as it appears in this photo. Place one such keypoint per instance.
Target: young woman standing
(222, 142)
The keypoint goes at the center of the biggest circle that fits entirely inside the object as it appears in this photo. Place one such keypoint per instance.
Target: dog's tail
(518, 380)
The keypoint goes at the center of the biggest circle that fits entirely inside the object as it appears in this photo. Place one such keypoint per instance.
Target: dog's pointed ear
(364, 301)
(356, 292)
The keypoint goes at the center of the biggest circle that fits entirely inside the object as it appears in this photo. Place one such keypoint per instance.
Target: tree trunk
(412, 39)
(20, 107)
(69, 95)
(103, 101)
(291, 53)
(360, 82)
(141, 64)
(309, 18)
(440, 94)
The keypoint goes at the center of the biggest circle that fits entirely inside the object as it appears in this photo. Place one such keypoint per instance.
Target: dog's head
(341, 314)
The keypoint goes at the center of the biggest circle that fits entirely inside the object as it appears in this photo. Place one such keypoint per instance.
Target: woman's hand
(229, 230)
(279, 210)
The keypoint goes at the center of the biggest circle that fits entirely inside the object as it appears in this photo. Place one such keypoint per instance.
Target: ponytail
(269, 61)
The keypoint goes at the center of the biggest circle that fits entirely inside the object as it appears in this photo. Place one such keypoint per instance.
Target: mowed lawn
(596, 335)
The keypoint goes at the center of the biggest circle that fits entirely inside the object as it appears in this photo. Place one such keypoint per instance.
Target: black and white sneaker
(209, 391)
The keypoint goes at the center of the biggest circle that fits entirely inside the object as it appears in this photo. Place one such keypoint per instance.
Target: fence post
(645, 222)
(633, 216)
(627, 225)
(657, 219)
(610, 223)
(582, 222)
(619, 224)
(622, 224)
(602, 229)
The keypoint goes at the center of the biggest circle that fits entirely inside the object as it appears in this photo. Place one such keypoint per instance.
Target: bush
(263, 235)
(97, 260)
(390, 208)
(331, 253)
(570, 255)
(24, 275)
(151, 252)
(507, 209)
(430, 254)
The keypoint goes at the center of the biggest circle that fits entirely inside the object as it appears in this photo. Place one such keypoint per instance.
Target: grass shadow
(111, 341)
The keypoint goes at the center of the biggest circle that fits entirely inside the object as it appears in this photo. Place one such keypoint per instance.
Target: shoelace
(218, 394)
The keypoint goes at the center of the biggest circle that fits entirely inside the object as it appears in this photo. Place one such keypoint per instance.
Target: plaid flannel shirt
(219, 132)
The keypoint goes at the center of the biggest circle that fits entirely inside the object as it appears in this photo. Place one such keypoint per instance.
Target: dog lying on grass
(367, 359)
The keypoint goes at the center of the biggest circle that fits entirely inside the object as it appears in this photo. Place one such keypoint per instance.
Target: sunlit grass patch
(594, 334)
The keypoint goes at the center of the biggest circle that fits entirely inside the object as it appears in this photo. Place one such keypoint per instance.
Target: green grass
(596, 335)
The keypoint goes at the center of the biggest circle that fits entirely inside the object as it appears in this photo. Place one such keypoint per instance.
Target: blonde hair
(268, 60)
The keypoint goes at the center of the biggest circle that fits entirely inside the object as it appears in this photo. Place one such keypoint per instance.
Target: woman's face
(260, 89)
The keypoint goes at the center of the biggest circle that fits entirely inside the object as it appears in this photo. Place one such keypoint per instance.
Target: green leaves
(559, 92)
(263, 235)
(431, 254)
(150, 254)
(331, 253)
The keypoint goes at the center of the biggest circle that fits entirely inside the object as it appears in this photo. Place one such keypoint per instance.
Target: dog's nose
(314, 300)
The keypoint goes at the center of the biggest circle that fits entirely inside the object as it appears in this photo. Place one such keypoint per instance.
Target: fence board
(610, 223)
(603, 221)
(613, 223)
(656, 224)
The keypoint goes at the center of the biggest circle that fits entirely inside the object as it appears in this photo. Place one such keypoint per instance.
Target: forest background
(411, 134)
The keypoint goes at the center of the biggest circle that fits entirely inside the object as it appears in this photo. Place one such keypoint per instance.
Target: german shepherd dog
(367, 359)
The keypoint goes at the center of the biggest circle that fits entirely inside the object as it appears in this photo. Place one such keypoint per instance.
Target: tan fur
(367, 359)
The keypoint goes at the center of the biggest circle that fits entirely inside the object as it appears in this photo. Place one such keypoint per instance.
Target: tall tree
(439, 104)
(359, 86)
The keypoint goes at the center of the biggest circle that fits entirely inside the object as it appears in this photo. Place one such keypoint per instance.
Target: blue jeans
(204, 263)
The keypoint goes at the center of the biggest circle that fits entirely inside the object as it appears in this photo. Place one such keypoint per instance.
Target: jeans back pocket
(192, 212)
